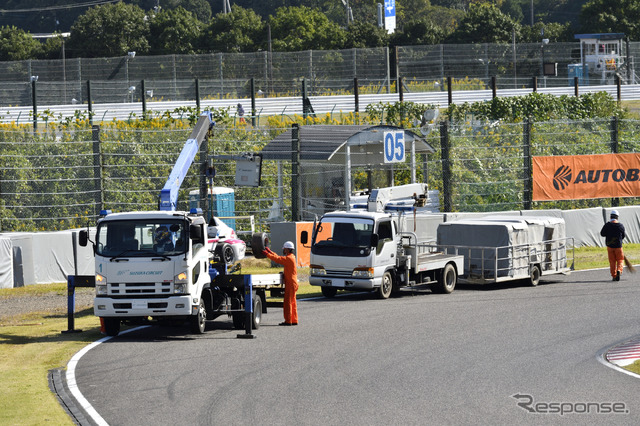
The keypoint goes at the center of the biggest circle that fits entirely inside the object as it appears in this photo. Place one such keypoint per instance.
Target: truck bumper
(167, 306)
(346, 283)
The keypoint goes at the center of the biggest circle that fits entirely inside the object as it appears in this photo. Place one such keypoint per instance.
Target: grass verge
(32, 344)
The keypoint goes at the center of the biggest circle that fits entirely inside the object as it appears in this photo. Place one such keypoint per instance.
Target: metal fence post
(89, 106)
(450, 90)
(295, 172)
(356, 98)
(97, 169)
(615, 146)
(143, 93)
(253, 101)
(446, 165)
(197, 84)
(527, 196)
(34, 103)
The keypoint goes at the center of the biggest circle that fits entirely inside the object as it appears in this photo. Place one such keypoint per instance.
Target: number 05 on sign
(394, 148)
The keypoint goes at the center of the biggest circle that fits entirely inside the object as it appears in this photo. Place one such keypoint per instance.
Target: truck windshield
(141, 238)
(343, 236)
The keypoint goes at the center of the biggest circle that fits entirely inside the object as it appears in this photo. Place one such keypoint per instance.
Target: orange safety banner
(571, 177)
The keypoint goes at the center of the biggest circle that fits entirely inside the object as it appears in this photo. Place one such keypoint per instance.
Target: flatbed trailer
(487, 265)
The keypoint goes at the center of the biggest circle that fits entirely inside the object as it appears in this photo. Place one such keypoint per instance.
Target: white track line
(73, 386)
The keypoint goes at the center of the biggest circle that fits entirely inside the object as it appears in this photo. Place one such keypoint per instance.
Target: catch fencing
(185, 78)
(60, 178)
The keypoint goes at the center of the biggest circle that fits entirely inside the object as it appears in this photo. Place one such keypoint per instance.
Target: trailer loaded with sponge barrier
(503, 248)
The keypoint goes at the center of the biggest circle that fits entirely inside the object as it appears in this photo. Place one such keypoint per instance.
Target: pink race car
(226, 245)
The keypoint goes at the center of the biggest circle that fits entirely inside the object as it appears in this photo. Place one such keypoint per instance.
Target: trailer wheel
(198, 322)
(257, 312)
(384, 291)
(534, 277)
(259, 242)
(446, 280)
(112, 326)
(329, 292)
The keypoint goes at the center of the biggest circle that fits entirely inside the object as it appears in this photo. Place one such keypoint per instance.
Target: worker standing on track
(288, 260)
(613, 233)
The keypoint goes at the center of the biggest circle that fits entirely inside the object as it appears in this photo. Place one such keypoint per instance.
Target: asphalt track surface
(420, 358)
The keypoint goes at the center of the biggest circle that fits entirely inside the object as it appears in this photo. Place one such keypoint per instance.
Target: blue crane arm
(169, 194)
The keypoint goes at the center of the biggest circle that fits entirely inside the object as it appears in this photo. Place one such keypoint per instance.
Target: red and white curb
(625, 353)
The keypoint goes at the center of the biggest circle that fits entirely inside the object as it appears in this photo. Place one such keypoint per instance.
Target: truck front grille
(133, 289)
(333, 273)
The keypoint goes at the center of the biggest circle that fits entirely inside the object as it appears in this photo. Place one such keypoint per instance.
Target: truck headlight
(362, 273)
(101, 285)
(317, 270)
(180, 283)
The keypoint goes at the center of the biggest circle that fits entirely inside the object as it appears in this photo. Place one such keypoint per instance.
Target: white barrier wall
(42, 258)
(47, 257)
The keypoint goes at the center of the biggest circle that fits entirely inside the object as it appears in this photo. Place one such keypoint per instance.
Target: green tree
(242, 30)
(302, 28)
(484, 23)
(174, 31)
(554, 31)
(417, 32)
(17, 45)
(364, 34)
(600, 16)
(110, 30)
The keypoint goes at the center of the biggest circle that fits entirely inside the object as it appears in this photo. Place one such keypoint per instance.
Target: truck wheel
(112, 326)
(534, 277)
(329, 292)
(447, 280)
(198, 322)
(387, 285)
(259, 242)
(257, 313)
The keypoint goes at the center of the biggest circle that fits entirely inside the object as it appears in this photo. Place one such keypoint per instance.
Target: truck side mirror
(374, 240)
(195, 232)
(83, 238)
(304, 237)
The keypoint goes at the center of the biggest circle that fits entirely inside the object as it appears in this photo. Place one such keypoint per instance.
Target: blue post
(71, 305)
(248, 308)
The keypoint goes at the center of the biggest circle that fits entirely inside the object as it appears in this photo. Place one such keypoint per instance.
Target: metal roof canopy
(600, 36)
(351, 145)
(329, 143)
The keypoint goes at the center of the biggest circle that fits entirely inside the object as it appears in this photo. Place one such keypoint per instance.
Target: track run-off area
(503, 354)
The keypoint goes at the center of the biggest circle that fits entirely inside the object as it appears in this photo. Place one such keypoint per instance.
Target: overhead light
(132, 54)
(132, 88)
(34, 78)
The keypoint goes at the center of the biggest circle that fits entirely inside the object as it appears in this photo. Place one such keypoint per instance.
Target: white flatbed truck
(381, 249)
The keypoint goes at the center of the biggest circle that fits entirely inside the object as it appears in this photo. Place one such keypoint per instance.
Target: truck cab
(353, 251)
(150, 264)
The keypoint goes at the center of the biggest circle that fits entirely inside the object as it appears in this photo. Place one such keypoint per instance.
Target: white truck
(156, 266)
(382, 248)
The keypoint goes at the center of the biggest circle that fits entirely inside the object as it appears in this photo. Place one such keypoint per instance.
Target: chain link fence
(228, 75)
(59, 179)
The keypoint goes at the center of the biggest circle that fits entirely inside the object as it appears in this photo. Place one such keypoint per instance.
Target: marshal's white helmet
(614, 213)
(288, 245)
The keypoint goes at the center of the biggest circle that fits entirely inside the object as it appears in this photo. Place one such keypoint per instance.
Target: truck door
(386, 249)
